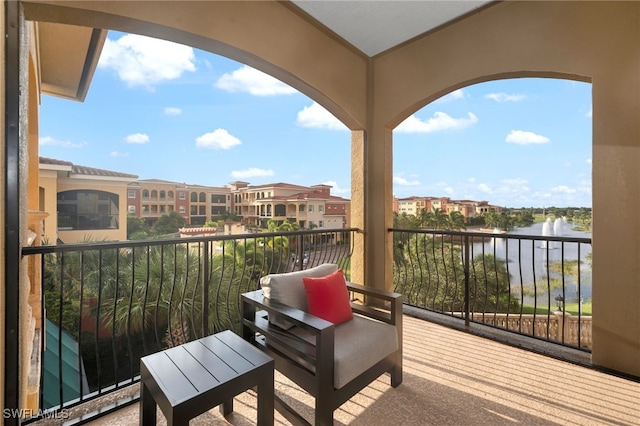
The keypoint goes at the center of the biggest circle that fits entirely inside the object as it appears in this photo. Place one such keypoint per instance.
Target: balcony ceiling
(375, 26)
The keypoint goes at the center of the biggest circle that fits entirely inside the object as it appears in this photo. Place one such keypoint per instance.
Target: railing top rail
(184, 240)
(492, 235)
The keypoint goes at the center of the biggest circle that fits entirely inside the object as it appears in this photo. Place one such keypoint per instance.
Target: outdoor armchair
(331, 362)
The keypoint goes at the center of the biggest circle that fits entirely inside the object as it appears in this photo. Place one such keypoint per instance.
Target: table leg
(265, 398)
(147, 407)
(226, 407)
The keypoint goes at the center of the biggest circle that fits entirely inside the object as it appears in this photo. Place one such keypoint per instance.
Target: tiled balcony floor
(454, 378)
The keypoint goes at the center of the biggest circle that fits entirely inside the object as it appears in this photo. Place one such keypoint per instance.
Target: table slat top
(196, 367)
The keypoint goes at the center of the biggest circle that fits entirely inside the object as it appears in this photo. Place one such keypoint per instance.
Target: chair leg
(396, 376)
(324, 413)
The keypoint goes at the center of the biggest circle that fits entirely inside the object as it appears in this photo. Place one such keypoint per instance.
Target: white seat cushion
(359, 344)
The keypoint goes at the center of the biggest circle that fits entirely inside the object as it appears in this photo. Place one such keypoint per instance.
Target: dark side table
(190, 379)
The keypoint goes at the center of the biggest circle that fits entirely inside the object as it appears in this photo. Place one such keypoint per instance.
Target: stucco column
(371, 204)
(616, 248)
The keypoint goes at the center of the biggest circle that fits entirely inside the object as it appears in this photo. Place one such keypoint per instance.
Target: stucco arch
(273, 37)
(586, 41)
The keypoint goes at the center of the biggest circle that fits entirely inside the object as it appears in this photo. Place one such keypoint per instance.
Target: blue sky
(160, 110)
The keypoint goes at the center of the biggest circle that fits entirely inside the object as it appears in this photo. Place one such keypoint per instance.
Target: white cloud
(118, 154)
(218, 139)
(563, 189)
(251, 173)
(145, 61)
(439, 121)
(505, 97)
(521, 137)
(50, 141)
(589, 161)
(404, 182)
(250, 80)
(483, 187)
(172, 111)
(316, 116)
(137, 138)
(335, 188)
(446, 188)
(513, 186)
(471, 180)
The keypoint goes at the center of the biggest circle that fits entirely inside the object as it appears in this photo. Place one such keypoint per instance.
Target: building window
(320, 208)
(170, 195)
(162, 195)
(194, 197)
(87, 209)
(145, 194)
(131, 194)
(132, 209)
(320, 223)
(202, 197)
(182, 210)
(218, 199)
(310, 208)
(182, 195)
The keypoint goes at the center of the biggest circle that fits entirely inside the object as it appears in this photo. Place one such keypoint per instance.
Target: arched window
(163, 195)
(203, 197)
(170, 195)
(154, 194)
(194, 197)
(145, 194)
(87, 209)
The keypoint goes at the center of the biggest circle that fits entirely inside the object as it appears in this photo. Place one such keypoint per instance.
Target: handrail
(496, 279)
(106, 304)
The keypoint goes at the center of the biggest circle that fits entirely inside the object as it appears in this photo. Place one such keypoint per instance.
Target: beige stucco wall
(590, 41)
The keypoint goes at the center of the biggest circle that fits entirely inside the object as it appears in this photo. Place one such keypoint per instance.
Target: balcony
(455, 378)
(119, 301)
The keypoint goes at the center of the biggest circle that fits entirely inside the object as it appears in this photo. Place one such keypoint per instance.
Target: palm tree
(490, 219)
(456, 221)
(437, 218)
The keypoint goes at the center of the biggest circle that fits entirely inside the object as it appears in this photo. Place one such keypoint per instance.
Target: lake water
(536, 266)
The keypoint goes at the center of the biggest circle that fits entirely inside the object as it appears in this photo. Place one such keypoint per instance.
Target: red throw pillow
(328, 297)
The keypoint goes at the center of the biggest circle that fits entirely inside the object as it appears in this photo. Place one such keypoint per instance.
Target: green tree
(137, 228)
(437, 218)
(456, 221)
(429, 272)
(169, 223)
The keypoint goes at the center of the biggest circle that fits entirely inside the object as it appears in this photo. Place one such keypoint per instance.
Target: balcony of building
(452, 378)
(371, 89)
(472, 351)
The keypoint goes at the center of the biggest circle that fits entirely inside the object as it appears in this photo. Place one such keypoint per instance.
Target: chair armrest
(378, 304)
(256, 329)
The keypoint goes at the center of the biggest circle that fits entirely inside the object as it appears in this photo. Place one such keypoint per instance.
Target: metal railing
(106, 305)
(530, 285)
